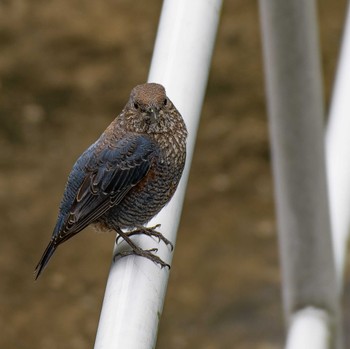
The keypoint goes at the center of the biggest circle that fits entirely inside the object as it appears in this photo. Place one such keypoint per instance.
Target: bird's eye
(136, 106)
(165, 101)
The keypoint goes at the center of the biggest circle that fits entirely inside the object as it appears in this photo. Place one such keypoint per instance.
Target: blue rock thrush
(127, 176)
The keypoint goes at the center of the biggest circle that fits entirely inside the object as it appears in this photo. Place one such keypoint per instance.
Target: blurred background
(66, 70)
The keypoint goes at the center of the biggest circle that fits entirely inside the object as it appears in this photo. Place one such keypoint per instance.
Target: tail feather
(50, 249)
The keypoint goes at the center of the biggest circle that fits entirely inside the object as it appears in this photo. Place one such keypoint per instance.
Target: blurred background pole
(296, 121)
(136, 287)
(309, 328)
(338, 155)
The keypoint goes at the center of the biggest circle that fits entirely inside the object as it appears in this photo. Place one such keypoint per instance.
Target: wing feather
(108, 174)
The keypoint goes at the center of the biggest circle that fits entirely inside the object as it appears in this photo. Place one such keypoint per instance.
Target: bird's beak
(153, 115)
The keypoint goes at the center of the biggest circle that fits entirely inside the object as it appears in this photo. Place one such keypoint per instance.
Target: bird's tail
(50, 249)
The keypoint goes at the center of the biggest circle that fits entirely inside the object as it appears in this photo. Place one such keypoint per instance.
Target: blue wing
(104, 180)
(100, 179)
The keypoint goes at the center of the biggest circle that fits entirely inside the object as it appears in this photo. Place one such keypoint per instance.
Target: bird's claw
(149, 231)
(143, 253)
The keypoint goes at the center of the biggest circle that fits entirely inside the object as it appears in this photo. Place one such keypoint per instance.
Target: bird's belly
(145, 200)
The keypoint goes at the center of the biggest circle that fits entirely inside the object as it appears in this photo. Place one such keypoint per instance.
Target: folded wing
(100, 179)
(109, 174)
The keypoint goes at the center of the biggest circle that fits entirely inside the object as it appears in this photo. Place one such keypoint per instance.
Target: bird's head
(149, 110)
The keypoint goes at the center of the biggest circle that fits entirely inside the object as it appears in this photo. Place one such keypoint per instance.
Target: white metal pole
(295, 104)
(136, 287)
(309, 328)
(338, 156)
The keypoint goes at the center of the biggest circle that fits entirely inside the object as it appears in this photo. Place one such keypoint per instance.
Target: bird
(127, 176)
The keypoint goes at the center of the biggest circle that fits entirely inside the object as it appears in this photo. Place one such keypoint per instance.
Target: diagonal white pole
(338, 156)
(296, 120)
(136, 287)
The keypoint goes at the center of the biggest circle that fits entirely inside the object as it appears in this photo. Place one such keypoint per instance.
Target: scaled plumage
(129, 174)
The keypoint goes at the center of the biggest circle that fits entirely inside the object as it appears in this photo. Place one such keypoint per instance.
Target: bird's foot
(149, 231)
(136, 250)
(143, 253)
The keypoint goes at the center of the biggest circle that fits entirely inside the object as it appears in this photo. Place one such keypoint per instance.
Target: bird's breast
(155, 190)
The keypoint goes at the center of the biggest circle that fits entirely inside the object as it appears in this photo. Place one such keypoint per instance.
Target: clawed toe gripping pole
(136, 250)
(148, 231)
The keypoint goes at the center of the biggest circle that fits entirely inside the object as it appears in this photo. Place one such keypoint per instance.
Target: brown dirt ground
(66, 68)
